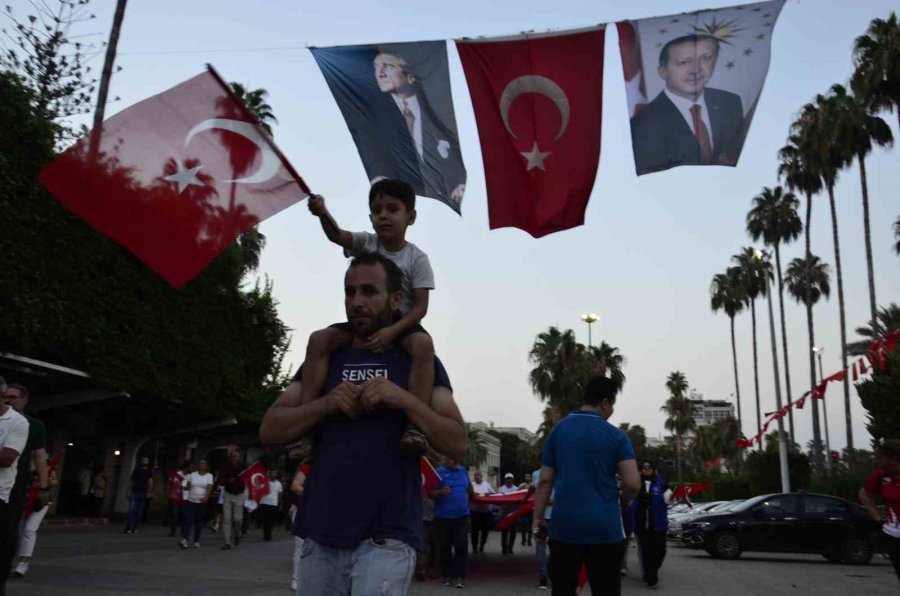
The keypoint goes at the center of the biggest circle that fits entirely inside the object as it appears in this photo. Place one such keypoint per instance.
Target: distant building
(708, 411)
(522, 433)
(491, 465)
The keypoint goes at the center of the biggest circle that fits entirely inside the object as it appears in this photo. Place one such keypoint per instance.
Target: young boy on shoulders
(392, 209)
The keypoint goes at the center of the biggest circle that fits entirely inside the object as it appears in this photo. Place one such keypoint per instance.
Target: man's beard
(379, 321)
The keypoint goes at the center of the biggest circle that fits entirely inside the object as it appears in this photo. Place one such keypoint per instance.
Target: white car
(675, 519)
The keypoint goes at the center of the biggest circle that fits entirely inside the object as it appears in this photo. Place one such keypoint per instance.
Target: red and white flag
(256, 479)
(177, 177)
(630, 49)
(430, 478)
(537, 102)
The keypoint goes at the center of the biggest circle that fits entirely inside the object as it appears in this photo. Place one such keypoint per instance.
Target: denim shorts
(375, 567)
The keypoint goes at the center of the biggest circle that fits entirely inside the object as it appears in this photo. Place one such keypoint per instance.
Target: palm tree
(857, 129)
(807, 281)
(815, 128)
(252, 241)
(888, 321)
(897, 235)
(636, 434)
(678, 412)
(727, 294)
(877, 58)
(605, 361)
(754, 285)
(774, 218)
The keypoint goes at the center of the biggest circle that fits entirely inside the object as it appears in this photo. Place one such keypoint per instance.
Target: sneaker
(183, 543)
(196, 545)
(542, 583)
(21, 569)
(446, 581)
(623, 572)
(293, 585)
(225, 547)
(460, 583)
(651, 586)
(414, 443)
(127, 531)
(214, 528)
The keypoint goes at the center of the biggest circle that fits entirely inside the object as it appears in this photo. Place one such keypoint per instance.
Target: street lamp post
(590, 320)
(782, 439)
(818, 353)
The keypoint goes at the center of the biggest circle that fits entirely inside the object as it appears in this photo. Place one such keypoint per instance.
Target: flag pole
(255, 121)
(106, 75)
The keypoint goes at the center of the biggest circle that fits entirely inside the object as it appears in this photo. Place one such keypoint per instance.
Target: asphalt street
(82, 561)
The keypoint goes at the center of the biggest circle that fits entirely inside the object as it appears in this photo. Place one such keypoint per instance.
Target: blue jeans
(135, 509)
(540, 553)
(374, 567)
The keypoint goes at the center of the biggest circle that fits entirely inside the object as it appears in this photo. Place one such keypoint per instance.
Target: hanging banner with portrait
(396, 101)
(693, 81)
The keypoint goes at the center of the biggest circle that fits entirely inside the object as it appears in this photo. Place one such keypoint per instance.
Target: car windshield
(746, 505)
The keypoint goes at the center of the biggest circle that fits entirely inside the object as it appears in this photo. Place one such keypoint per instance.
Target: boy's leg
(321, 344)
(421, 383)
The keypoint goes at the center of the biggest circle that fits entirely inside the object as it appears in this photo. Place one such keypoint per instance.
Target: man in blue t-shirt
(361, 510)
(581, 457)
(451, 517)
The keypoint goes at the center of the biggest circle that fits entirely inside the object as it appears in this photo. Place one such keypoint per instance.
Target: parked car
(676, 523)
(674, 530)
(787, 522)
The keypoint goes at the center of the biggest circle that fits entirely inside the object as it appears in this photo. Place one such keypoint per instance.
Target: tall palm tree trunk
(756, 372)
(737, 393)
(784, 342)
(106, 75)
(817, 431)
(873, 310)
(840, 285)
(678, 455)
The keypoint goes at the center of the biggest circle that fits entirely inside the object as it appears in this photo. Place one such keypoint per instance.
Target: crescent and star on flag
(269, 162)
(542, 86)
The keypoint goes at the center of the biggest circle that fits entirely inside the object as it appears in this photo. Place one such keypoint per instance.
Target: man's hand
(344, 398)
(316, 204)
(540, 529)
(379, 391)
(379, 341)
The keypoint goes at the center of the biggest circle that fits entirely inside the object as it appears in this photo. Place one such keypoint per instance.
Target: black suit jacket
(662, 138)
(388, 150)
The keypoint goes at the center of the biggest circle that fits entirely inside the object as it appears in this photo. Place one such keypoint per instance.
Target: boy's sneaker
(460, 583)
(182, 543)
(542, 583)
(414, 443)
(447, 582)
(21, 569)
(196, 545)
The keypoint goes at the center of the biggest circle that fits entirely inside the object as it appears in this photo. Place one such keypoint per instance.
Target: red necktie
(702, 135)
(410, 120)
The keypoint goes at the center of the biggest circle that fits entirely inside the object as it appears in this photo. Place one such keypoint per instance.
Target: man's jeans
(135, 509)
(540, 552)
(374, 567)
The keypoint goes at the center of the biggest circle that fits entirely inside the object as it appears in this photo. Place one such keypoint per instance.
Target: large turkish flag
(177, 177)
(537, 101)
(256, 479)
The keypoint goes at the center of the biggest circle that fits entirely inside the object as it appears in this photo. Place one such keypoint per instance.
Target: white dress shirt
(413, 103)
(684, 106)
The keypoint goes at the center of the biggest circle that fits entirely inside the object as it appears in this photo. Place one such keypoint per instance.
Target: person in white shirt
(508, 536)
(13, 436)
(480, 513)
(199, 487)
(270, 505)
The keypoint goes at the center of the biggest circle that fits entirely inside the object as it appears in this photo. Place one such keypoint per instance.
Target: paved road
(78, 562)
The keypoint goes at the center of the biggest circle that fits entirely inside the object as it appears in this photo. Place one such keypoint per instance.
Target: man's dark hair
(398, 189)
(22, 389)
(648, 462)
(889, 448)
(394, 275)
(598, 389)
(693, 38)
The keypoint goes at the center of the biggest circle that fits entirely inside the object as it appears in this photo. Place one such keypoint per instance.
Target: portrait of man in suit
(397, 103)
(415, 133)
(688, 123)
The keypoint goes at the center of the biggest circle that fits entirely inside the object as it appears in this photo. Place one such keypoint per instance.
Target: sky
(649, 248)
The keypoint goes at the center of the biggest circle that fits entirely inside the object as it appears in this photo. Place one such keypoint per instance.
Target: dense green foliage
(71, 296)
(880, 397)
(516, 456)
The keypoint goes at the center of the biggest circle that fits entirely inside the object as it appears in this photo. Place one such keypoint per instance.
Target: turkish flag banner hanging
(177, 177)
(256, 480)
(537, 102)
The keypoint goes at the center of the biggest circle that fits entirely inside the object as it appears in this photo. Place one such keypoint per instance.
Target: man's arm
(16, 439)
(631, 480)
(289, 420)
(8, 457)
(332, 231)
(868, 502)
(441, 422)
(39, 457)
(150, 485)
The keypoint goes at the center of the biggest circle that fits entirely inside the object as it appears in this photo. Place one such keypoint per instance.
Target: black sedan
(789, 522)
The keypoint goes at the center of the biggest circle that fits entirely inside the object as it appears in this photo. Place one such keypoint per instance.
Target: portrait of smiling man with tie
(688, 123)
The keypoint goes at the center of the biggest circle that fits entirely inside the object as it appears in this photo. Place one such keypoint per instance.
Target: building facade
(709, 411)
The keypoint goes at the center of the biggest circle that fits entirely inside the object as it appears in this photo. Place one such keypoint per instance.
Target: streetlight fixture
(590, 319)
(818, 352)
(782, 439)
